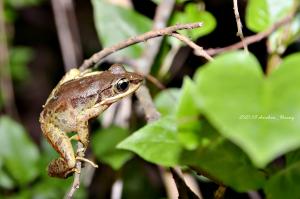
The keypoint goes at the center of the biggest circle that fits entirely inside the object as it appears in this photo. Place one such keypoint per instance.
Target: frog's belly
(66, 121)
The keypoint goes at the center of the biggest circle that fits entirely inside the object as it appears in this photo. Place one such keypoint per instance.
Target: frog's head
(122, 83)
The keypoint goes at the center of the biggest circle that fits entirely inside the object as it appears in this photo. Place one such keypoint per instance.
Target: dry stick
(137, 39)
(254, 38)
(76, 181)
(68, 33)
(239, 24)
(198, 50)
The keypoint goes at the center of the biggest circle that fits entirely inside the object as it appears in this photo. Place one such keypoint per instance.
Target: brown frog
(78, 97)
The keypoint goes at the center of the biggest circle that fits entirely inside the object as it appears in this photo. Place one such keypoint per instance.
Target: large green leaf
(260, 115)
(284, 184)
(156, 142)
(261, 14)
(223, 161)
(19, 154)
(115, 24)
(104, 144)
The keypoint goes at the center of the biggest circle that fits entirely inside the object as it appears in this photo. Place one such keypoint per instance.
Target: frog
(77, 98)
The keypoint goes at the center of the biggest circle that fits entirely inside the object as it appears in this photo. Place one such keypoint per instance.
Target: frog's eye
(122, 85)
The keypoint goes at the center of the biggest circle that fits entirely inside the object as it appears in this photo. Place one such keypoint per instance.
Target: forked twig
(134, 40)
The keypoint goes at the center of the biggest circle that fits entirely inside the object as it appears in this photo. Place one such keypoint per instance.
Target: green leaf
(187, 115)
(5, 181)
(104, 144)
(19, 154)
(194, 13)
(115, 24)
(261, 14)
(284, 184)
(258, 114)
(156, 142)
(224, 161)
(166, 101)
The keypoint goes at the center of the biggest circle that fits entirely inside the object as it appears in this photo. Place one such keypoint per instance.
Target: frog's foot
(87, 160)
(60, 169)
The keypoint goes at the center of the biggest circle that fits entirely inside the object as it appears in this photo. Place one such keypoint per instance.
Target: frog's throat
(120, 96)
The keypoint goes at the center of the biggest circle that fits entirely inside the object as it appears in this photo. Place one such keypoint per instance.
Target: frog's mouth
(119, 96)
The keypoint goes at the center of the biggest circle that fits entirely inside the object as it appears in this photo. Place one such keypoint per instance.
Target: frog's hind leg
(63, 166)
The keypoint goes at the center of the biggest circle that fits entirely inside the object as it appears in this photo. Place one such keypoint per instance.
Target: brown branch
(198, 50)
(76, 181)
(254, 38)
(239, 24)
(137, 39)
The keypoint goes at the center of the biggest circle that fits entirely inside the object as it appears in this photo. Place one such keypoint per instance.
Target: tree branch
(137, 39)
(239, 24)
(76, 181)
(254, 38)
(198, 50)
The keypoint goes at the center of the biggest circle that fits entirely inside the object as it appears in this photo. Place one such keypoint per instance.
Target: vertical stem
(68, 32)
(6, 84)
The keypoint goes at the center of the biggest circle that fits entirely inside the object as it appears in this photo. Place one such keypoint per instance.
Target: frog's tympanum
(78, 97)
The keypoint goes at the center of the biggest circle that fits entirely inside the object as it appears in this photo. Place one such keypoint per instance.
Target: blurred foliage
(104, 146)
(230, 122)
(19, 59)
(126, 23)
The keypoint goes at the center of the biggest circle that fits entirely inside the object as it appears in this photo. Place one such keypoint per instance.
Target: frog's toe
(87, 160)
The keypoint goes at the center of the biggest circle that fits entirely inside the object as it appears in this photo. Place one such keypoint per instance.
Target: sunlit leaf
(260, 115)
(261, 14)
(156, 142)
(195, 13)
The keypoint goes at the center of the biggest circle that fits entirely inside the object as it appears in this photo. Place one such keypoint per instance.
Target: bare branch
(239, 24)
(137, 39)
(198, 50)
(254, 38)
(76, 181)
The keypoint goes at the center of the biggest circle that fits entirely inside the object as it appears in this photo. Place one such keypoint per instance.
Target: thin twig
(239, 24)
(76, 181)
(137, 39)
(254, 38)
(198, 50)
(6, 84)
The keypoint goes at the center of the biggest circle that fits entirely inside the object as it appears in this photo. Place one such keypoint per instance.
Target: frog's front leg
(82, 122)
(63, 166)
